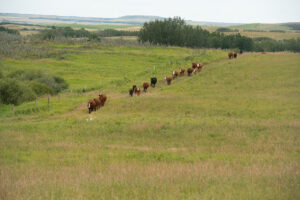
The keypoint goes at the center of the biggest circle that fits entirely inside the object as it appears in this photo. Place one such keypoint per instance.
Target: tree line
(175, 32)
(54, 32)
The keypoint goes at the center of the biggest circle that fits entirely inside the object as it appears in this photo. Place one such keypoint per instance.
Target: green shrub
(56, 83)
(13, 91)
(40, 88)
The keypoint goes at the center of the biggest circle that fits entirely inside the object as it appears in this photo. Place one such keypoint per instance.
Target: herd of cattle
(196, 67)
(96, 103)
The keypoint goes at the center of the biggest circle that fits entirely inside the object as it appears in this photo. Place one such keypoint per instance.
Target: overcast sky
(264, 11)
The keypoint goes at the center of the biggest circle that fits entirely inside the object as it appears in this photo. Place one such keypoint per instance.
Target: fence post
(35, 104)
(48, 101)
(13, 109)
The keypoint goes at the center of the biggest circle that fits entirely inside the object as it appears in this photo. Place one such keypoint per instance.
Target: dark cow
(168, 79)
(98, 103)
(153, 81)
(145, 86)
(190, 71)
(131, 92)
(230, 55)
(91, 105)
(194, 65)
(137, 91)
(241, 51)
(175, 74)
(181, 72)
(235, 55)
(102, 98)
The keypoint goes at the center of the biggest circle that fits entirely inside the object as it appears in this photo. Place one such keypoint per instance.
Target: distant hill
(126, 20)
(270, 27)
(53, 19)
(135, 20)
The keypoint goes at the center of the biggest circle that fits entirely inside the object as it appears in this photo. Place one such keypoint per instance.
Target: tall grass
(230, 132)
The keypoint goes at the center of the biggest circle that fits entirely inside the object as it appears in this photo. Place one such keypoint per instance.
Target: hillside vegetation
(230, 132)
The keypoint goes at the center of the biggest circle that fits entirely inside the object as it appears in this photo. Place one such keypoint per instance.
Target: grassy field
(230, 132)
(265, 33)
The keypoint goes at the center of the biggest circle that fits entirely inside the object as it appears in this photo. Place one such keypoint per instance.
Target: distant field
(96, 27)
(267, 27)
(230, 132)
(255, 34)
(34, 29)
(25, 29)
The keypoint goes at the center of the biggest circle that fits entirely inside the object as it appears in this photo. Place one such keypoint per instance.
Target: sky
(234, 11)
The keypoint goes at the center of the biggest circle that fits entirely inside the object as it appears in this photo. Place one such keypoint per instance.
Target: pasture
(229, 132)
(257, 32)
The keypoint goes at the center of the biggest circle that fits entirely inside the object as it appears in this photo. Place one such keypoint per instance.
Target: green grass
(230, 132)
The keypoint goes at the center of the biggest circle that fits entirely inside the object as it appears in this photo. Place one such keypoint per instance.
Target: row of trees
(176, 32)
(10, 31)
(114, 32)
(54, 32)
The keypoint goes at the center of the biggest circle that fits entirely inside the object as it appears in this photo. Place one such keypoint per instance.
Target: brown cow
(194, 65)
(175, 74)
(195, 71)
(145, 86)
(137, 91)
(102, 98)
(190, 71)
(199, 66)
(91, 105)
(182, 70)
(98, 103)
(230, 55)
(168, 79)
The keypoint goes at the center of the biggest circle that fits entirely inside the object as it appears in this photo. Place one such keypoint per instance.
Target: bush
(56, 83)
(40, 88)
(13, 91)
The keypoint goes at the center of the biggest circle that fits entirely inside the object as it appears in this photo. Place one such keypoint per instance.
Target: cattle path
(81, 110)
(160, 84)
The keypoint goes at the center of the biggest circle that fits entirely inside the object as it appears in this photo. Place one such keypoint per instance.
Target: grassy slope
(231, 132)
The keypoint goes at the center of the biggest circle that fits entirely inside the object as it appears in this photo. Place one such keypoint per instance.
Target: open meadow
(229, 132)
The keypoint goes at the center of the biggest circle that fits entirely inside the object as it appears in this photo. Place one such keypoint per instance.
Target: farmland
(230, 132)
